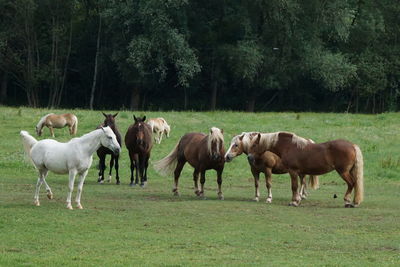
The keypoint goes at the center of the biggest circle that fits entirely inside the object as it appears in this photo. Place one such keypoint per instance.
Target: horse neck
(90, 142)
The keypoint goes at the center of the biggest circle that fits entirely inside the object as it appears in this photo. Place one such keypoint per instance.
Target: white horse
(73, 157)
(159, 126)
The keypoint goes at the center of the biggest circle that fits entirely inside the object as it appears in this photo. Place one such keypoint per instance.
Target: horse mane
(215, 135)
(41, 121)
(269, 139)
(299, 141)
(246, 141)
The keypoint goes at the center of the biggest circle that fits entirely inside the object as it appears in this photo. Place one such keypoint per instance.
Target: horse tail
(167, 165)
(314, 182)
(75, 125)
(28, 141)
(357, 173)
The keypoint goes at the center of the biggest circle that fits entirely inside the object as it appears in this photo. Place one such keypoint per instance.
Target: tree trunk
(186, 100)
(95, 66)
(214, 95)
(4, 83)
(135, 98)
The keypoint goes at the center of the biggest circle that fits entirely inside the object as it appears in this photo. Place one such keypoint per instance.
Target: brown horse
(301, 157)
(102, 152)
(203, 152)
(266, 162)
(57, 121)
(138, 141)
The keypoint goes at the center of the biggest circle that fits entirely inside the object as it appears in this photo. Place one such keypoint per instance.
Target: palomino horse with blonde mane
(203, 152)
(58, 121)
(74, 157)
(267, 163)
(301, 157)
(159, 126)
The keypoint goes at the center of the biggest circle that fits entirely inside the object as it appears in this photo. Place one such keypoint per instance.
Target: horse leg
(196, 181)
(133, 165)
(256, 175)
(303, 193)
(72, 174)
(111, 167)
(296, 199)
(347, 196)
(268, 183)
(82, 177)
(51, 131)
(177, 173)
(39, 183)
(48, 189)
(102, 167)
(146, 165)
(202, 182)
(160, 137)
(141, 170)
(219, 182)
(117, 169)
(137, 165)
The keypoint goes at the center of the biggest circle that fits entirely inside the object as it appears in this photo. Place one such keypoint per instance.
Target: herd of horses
(268, 153)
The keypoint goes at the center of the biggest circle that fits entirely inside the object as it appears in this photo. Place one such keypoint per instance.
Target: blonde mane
(300, 142)
(246, 141)
(268, 140)
(217, 136)
(42, 120)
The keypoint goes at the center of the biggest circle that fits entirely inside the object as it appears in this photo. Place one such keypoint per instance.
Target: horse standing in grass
(203, 152)
(74, 157)
(266, 162)
(58, 121)
(138, 141)
(301, 157)
(159, 126)
(102, 152)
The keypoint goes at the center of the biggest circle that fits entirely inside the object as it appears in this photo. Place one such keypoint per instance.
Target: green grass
(133, 226)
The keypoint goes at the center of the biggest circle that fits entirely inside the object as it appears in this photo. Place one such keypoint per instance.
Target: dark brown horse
(265, 162)
(138, 141)
(301, 157)
(203, 152)
(102, 152)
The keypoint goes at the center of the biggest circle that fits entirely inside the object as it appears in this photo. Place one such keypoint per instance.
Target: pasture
(122, 226)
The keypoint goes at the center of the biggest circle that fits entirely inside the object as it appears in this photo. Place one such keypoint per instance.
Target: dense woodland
(254, 55)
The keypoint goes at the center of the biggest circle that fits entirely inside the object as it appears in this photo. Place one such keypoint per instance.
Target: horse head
(139, 133)
(109, 119)
(254, 149)
(39, 130)
(216, 143)
(239, 145)
(109, 140)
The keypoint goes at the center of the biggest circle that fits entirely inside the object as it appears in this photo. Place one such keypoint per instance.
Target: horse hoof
(269, 200)
(69, 206)
(197, 193)
(50, 196)
(37, 203)
(176, 193)
(303, 197)
(132, 185)
(221, 197)
(349, 205)
(79, 206)
(118, 182)
(101, 182)
(256, 199)
(293, 204)
(109, 179)
(143, 185)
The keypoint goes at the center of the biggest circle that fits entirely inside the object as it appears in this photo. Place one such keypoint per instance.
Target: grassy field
(123, 226)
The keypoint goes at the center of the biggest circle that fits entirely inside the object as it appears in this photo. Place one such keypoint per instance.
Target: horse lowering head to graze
(203, 152)
(73, 157)
(138, 141)
(159, 126)
(302, 157)
(103, 151)
(57, 121)
(265, 162)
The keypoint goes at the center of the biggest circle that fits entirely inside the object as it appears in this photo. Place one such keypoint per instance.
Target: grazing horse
(58, 121)
(267, 163)
(74, 157)
(103, 151)
(301, 157)
(203, 152)
(159, 126)
(138, 141)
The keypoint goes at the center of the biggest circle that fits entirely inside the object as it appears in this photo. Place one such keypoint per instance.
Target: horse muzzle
(116, 151)
(228, 158)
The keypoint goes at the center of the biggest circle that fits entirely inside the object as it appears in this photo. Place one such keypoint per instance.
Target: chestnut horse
(58, 121)
(138, 141)
(203, 152)
(159, 126)
(267, 163)
(102, 152)
(301, 157)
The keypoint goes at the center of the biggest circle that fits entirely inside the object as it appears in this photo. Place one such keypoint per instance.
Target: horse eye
(109, 137)
(236, 145)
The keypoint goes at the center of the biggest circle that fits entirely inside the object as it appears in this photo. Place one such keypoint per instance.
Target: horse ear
(211, 131)
(134, 117)
(103, 129)
(144, 118)
(222, 131)
(115, 115)
(241, 137)
(104, 114)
